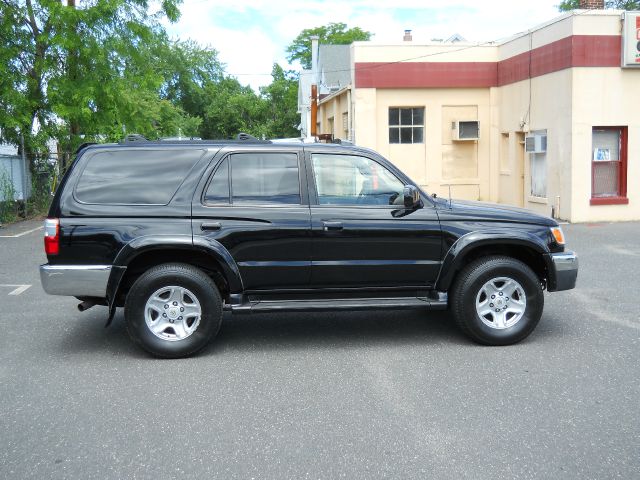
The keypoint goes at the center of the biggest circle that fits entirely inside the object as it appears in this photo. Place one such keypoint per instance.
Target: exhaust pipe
(86, 305)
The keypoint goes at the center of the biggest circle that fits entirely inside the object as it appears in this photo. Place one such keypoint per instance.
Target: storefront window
(609, 165)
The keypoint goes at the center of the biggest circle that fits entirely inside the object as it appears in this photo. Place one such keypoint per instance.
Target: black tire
(197, 284)
(466, 292)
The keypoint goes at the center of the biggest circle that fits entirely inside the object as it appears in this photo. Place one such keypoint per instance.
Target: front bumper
(75, 280)
(564, 271)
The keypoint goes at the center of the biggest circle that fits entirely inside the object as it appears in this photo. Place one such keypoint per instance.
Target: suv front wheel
(497, 300)
(173, 310)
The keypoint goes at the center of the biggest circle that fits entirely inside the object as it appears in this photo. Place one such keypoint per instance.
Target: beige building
(548, 119)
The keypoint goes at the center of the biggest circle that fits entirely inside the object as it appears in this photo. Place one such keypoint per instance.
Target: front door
(253, 204)
(362, 233)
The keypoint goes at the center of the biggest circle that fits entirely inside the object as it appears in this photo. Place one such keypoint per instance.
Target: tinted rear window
(265, 178)
(135, 177)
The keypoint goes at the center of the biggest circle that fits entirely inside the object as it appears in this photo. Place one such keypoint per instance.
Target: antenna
(450, 205)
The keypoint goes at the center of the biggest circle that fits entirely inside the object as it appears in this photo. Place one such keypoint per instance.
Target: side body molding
(454, 258)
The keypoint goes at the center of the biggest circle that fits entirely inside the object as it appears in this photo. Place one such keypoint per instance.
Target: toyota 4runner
(177, 232)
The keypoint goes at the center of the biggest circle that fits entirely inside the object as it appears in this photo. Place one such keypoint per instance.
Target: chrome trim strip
(75, 280)
(566, 270)
(565, 261)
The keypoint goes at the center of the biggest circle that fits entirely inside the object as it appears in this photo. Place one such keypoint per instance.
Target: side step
(323, 305)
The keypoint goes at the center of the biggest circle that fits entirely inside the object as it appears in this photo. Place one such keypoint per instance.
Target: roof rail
(245, 137)
(83, 146)
(134, 137)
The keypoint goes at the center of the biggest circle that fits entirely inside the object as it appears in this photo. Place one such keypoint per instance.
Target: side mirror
(411, 196)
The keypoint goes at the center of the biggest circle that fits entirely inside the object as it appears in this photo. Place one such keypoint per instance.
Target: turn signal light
(558, 235)
(52, 236)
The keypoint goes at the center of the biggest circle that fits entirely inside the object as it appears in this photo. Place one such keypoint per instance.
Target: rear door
(254, 202)
(363, 236)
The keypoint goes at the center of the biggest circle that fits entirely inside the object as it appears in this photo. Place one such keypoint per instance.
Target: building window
(406, 125)
(609, 166)
(538, 165)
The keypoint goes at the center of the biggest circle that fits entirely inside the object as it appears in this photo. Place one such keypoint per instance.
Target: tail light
(52, 236)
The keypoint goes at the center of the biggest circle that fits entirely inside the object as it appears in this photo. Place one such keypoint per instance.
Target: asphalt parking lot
(360, 395)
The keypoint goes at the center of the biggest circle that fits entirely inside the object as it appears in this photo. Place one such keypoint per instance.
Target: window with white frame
(406, 125)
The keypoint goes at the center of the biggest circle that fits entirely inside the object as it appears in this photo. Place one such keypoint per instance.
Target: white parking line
(17, 289)
(23, 233)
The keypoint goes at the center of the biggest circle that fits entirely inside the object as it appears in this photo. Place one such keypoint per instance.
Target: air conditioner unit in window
(535, 143)
(465, 130)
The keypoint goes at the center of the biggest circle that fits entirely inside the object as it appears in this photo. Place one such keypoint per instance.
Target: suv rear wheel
(173, 310)
(497, 300)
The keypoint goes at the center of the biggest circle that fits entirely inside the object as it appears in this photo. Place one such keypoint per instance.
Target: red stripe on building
(425, 74)
(574, 51)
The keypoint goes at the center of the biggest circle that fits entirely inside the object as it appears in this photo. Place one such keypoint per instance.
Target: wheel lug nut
(500, 294)
(491, 304)
(497, 310)
(179, 318)
(175, 304)
(164, 315)
(182, 309)
(493, 296)
(166, 305)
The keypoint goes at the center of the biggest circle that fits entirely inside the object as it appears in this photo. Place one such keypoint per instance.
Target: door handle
(332, 226)
(210, 226)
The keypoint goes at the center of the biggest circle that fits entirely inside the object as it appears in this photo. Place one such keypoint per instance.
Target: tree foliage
(566, 5)
(333, 33)
(281, 103)
(83, 73)
(107, 68)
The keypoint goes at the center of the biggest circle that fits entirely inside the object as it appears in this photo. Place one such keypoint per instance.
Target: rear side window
(135, 177)
(218, 189)
(270, 178)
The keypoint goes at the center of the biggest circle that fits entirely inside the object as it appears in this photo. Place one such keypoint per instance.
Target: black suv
(178, 232)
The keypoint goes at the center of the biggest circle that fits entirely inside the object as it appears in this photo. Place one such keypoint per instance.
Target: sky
(251, 35)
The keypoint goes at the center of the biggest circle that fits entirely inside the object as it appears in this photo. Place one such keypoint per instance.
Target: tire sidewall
(146, 285)
(533, 311)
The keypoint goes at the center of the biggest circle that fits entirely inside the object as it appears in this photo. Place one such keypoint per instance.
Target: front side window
(608, 164)
(354, 180)
(406, 125)
(266, 178)
(135, 176)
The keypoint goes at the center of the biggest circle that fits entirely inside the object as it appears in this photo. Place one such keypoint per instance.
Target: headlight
(558, 235)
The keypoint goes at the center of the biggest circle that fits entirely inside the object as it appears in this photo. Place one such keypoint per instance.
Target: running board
(323, 305)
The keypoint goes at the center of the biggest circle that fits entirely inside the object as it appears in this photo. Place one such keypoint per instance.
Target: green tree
(83, 73)
(566, 5)
(231, 108)
(280, 103)
(187, 68)
(333, 33)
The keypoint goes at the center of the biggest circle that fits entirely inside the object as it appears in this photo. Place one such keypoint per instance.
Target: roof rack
(246, 138)
(134, 137)
(240, 138)
(83, 146)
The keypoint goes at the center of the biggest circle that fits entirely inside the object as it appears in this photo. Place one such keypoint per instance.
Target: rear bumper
(75, 280)
(564, 271)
